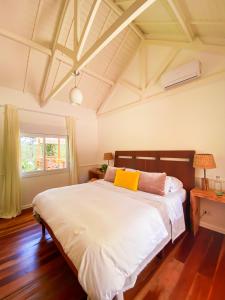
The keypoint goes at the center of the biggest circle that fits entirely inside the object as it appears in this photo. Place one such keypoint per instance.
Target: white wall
(190, 119)
(86, 131)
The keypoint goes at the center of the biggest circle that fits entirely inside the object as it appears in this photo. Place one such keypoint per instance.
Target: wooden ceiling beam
(76, 25)
(155, 23)
(143, 66)
(121, 2)
(37, 17)
(54, 50)
(117, 83)
(119, 12)
(97, 76)
(69, 62)
(87, 26)
(196, 44)
(167, 62)
(114, 30)
(131, 87)
(26, 42)
(181, 19)
(208, 23)
(58, 87)
(68, 52)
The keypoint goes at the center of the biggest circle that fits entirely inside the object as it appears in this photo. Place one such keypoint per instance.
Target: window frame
(45, 172)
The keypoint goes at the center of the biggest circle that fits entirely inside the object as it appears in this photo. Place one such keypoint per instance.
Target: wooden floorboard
(31, 267)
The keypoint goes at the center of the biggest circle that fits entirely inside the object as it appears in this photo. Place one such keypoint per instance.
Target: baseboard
(25, 206)
(212, 227)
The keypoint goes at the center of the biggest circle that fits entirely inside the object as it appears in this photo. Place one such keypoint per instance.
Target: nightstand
(96, 173)
(196, 195)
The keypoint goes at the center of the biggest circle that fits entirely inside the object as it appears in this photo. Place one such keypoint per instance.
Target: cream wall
(190, 119)
(86, 131)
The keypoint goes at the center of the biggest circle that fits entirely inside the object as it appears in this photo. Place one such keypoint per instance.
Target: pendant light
(76, 96)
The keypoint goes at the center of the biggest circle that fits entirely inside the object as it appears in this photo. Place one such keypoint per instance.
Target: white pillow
(172, 184)
(130, 170)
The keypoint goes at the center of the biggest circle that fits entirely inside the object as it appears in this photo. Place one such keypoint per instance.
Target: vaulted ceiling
(42, 42)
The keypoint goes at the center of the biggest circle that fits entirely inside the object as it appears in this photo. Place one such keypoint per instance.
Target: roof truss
(179, 13)
(118, 26)
(77, 59)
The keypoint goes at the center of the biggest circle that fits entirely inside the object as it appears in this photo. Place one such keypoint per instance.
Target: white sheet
(108, 231)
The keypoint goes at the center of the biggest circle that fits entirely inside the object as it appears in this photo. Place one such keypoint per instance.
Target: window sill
(44, 173)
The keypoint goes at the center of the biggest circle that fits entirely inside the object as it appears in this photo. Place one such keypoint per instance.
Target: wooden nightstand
(96, 173)
(196, 195)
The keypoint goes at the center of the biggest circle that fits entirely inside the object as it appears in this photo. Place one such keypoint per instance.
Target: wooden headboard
(175, 163)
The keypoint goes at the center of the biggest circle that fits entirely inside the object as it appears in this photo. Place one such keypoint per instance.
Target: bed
(107, 234)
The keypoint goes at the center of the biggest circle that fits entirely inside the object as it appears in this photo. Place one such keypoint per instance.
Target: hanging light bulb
(76, 96)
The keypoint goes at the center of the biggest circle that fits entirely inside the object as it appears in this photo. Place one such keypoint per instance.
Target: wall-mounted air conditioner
(181, 74)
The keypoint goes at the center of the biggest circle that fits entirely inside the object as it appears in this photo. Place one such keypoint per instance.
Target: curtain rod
(40, 112)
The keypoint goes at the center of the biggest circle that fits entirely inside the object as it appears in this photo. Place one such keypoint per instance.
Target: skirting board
(25, 206)
(212, 227)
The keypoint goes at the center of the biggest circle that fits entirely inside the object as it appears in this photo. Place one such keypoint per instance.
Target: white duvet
(108, 231)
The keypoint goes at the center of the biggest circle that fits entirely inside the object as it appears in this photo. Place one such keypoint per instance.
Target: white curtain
(10, 198)
(73, 162)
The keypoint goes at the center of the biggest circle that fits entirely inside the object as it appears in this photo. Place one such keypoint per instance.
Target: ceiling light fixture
(76, 96)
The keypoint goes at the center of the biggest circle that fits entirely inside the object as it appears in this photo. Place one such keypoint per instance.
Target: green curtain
(73, 162)
(10, 200)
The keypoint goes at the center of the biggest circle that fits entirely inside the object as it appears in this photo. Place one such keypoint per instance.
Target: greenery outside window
(43, 153)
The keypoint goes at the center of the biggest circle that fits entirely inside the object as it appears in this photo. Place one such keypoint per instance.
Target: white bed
(109, 233)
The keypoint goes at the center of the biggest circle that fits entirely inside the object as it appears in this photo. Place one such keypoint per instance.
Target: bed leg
(43, 229)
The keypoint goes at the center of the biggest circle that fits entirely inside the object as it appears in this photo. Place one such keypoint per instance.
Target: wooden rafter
(167, 62)
(40, 3)
(181, 19)
(97, 76)
(202, 80)
(114, 87)
(59, 86)
(75, 25)
(65, 50)
(155, 23)
(119, 12)
(119, 2)
(87, 26)
(66, 60)
(121, 23)
(143, 66)
(196, 44)
(210, 23)
(131, 87)
(54, 50)
(26, 42)
(115, 56)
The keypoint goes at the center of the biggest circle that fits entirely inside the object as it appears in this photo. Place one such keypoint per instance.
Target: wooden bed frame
(177, 163)
(174, 163)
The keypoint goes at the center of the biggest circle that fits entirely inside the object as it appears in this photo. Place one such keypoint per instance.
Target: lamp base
(204, 184)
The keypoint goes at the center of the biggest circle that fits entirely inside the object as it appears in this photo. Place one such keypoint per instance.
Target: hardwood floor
(31, 267)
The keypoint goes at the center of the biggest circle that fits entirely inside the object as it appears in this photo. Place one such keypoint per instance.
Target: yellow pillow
(126, 179)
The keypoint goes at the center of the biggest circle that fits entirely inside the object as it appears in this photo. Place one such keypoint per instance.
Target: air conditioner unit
(181, 74)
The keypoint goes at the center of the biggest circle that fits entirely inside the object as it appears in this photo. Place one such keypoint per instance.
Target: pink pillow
(153, 183)
(110, 174)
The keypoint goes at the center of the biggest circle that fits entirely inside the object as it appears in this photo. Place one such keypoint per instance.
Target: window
(43, 153)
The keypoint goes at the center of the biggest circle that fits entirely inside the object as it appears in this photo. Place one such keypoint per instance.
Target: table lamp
(108, 156)
(204, 161)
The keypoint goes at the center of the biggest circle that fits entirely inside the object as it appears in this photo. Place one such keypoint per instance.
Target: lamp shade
(108, 156)
(76, 96)
(204, 161)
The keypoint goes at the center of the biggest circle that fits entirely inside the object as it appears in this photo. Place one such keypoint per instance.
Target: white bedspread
(107, 231)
